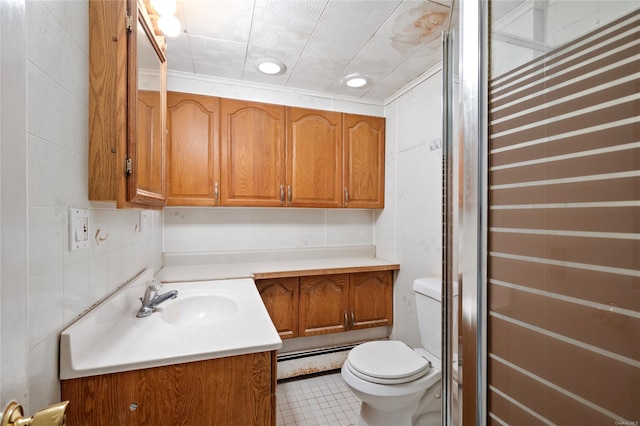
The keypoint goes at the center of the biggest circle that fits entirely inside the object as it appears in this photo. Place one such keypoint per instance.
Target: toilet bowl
(399, 385)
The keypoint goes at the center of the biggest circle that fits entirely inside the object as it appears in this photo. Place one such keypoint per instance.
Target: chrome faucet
(152, 299)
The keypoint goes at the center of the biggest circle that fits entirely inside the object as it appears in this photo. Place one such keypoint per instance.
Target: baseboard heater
(313, 361)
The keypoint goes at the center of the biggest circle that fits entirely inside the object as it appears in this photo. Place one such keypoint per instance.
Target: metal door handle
(215, 193)
(346, 321)
(282, 195)
(346, 196)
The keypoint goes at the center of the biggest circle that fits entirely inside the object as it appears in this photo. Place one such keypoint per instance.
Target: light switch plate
(78, 229)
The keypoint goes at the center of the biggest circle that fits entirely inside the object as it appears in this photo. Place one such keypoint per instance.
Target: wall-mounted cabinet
(127, 106)
(193, 160)
(271, 155)
(363, 161)
(331, 303)
(314, 158)
(252, 154)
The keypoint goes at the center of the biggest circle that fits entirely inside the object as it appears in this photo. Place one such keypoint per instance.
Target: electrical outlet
(144, 220)
(78, 229)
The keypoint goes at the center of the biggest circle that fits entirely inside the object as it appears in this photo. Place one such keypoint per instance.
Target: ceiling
(320, 41)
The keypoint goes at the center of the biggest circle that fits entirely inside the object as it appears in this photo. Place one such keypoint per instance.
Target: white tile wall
(13, 204)
(223, 229)
(44, 125)
(409, 229)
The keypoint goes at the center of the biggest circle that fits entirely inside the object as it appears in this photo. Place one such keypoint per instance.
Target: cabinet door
(280, 297)
(323, 306)
(150, 144)
(192, 160)
(370, 299)
(314, 158)
(364, 161)
(234, 390)
(253, 152)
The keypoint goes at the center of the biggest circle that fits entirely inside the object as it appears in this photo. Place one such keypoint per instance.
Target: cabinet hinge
(128, 166)
(129, 23)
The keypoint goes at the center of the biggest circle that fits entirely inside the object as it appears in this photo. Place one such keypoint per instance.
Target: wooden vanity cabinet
(343, 302)
(237, 390)
(252, 154)
(127, 89)
(363, 161)
(193, 160)
(370, 299)
(328, 303)
(314, 158)
(324, 302)
(280, 297)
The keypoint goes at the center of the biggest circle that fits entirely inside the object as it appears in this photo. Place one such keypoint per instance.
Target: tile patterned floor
(323, 400)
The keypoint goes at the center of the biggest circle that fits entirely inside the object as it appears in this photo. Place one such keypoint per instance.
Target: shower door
(564, 214)
(544, 240)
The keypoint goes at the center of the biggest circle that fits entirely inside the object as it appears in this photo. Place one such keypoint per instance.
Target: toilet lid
(388, 361)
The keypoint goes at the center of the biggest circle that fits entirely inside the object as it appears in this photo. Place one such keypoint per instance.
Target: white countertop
(254, 264)
(111, 339)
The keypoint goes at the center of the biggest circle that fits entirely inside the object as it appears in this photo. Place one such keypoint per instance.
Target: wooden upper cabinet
(252, 154)
(314, 158)
(324, 302)
(127, 95)
(280, 297)
(150, 146)
(193, 149)
(363, 161)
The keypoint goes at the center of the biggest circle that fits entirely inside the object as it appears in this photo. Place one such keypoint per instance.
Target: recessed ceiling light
(357, 80)
(270, 66)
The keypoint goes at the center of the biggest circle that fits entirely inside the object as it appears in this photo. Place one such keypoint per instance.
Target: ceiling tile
(320, 41)
(219, 19)
(220, 52)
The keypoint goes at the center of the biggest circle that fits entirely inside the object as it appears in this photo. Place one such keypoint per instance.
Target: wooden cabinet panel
(371, 299)
(192, 161)
(150, 142)
(234, 390)
(314, 158)
(252, 154)
(280, 297)
(364, 161)
(125, 159)
(324, 301)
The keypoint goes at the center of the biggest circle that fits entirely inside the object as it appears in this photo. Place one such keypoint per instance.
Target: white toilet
(399, 385)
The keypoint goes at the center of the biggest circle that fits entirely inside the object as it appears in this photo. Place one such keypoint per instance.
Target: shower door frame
(465, 207)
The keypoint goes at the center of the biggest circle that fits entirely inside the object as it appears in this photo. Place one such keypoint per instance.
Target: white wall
(409, 229)
(49, 89)
(235, 229)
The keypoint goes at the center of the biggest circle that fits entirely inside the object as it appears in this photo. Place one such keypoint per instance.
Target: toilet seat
(386, 362)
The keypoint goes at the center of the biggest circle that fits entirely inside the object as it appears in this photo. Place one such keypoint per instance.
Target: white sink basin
(199, 310)
(208, 319)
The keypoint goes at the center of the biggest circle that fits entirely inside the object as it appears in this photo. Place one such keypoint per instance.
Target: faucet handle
(154, 285)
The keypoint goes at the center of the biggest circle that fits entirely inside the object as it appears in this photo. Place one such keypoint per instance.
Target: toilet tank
(428, 293)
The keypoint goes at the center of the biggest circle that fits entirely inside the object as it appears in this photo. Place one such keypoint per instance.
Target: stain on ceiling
(391, 42)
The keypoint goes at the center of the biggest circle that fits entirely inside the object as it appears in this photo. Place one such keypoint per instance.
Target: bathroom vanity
(208, 357)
